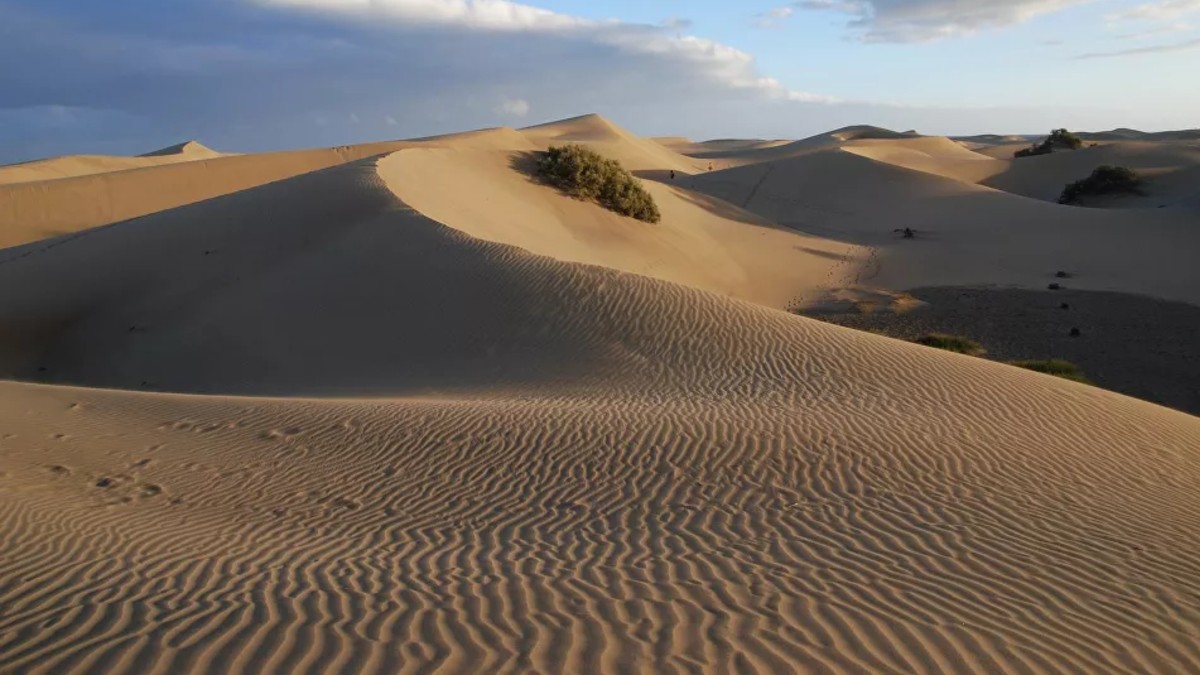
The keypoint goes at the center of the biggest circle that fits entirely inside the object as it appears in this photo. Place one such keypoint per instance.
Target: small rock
(105, 483)
(1062, 275)
(1075, 332)
(1054, 287)
(1065, 306)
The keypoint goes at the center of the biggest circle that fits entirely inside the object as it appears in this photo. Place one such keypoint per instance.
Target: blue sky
(249, 75)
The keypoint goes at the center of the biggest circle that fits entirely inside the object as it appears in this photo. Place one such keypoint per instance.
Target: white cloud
(775, 17)
(926, 20)
(724, 64)
(481, 14)
(1165, 10)
(513, 108)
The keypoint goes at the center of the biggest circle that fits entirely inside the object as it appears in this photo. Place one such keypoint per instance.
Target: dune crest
(187, 148)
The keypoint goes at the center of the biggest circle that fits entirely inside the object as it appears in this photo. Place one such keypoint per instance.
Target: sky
(129, 76)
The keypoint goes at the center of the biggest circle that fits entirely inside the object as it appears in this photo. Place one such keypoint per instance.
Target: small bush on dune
(585, 174)
(952, 343)
(1059, 139)
(1056, 367)
(1104, 180)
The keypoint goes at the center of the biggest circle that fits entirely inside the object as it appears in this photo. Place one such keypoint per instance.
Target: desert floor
(399, 408)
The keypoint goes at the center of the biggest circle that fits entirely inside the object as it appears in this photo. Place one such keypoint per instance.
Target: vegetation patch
(1055, 367)
(952, 343)
(1059, 139)
(585, 174)
(1104, 180)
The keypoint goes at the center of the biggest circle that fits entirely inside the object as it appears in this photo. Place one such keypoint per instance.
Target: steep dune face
(589, 471)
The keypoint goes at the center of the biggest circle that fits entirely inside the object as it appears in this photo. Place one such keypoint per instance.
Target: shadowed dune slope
(575, 469)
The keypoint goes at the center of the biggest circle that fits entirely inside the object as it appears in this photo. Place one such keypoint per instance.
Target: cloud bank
(927, 20)
(264, 74)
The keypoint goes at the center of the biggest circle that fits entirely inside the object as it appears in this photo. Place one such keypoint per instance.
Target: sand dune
(193, 149)
(1135, 135)
(86, 165)
(717, 148)
(426, 420)
(970, 234)
(635, 153)
(1169, 169)
(36, 210)
(702, 242)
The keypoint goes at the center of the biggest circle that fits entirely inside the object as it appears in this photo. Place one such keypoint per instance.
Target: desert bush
(952, 343)
(1059, 139)
(585, 174)
(1104, 180)
(1056, 367)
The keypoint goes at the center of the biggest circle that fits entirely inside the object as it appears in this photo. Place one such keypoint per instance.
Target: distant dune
(87, 165)
(400, 408)
(193, 149)
(1135, 135)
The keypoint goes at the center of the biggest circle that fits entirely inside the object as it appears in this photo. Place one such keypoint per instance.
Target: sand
(1140, 346)
(35, 210)
(85, 165)
(397, 408)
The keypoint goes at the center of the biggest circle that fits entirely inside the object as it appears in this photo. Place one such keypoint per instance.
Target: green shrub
(1059, 139)
(585, 174)
(1032, 151)
(1056, 367)
(1104, 180)
(952, 343)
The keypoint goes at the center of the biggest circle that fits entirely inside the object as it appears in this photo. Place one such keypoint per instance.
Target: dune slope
(563, 468)
(701, 242)
(967, 233)
(39, 209)
(84, 165)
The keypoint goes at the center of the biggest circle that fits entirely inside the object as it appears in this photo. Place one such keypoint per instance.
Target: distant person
(907, 233)
(672, 174)
(710, 166)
